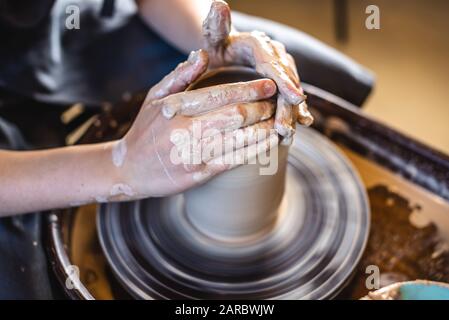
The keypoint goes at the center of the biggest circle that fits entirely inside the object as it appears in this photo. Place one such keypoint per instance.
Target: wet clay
(238, 204)
(241, 203)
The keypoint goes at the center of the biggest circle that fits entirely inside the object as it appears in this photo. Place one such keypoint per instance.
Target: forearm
(177, 21)
(55, 178)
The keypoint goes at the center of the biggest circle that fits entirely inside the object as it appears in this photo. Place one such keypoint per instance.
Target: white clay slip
(119, 153)
(121, 189)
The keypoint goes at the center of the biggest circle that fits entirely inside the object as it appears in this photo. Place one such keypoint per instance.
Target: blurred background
(409, 54)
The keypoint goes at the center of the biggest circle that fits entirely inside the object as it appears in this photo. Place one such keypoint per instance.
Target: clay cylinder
(242, 203)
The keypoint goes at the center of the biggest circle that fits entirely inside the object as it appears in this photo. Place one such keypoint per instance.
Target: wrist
(112, 174)
(112, 155)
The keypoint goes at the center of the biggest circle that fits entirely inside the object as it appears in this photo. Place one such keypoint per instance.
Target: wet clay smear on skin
(121, 189)
(119, 153)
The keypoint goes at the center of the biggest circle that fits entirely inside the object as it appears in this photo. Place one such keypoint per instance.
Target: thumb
(217, 25)
(180, 78)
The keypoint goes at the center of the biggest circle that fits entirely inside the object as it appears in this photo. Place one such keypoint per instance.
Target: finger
(217, 25)
(280, 47)
(281, 51)
(206, 99)
(222, 143)
(287, 87)
(256, 49)
(271, 61)
(286, 61)
(235, 116)
(244, 155)
(229, 161)
(293, 67)
(184, 74)
(219, 144)
(284, 122)
(304, 116)
(300, 112)
(288, 140)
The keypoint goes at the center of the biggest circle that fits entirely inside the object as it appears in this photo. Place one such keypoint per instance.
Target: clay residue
(284, 118)
(393, 293)
(101, 199)
(217, 25)
(409, 251)
(304, 116)
(201, 176)
(121, 189)
(78, 203)
(184, 74)
(418, 219)
(119, 153)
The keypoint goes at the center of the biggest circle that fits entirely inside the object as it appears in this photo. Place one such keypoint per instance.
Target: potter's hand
(268, 57)
(157, 155)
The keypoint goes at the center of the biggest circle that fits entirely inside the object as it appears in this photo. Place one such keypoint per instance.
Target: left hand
(181, 138)
(268, 57)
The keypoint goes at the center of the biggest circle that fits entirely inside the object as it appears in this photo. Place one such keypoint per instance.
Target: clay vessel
(242, 203)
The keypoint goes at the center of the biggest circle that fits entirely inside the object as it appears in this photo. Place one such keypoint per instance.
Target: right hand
(238, 109)
(268, 57)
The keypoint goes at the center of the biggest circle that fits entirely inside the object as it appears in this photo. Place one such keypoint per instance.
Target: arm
(177, 21)
(55, 178)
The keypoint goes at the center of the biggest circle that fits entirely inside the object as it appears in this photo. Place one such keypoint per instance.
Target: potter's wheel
(310, 252)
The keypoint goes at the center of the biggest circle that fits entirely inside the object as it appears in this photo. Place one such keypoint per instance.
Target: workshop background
(409, 54)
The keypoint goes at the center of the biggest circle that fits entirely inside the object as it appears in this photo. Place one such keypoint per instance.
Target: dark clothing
(43, 60)
(97, 62)
(108, 56)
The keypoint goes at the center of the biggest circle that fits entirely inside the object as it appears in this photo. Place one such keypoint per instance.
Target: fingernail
(269, 88)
